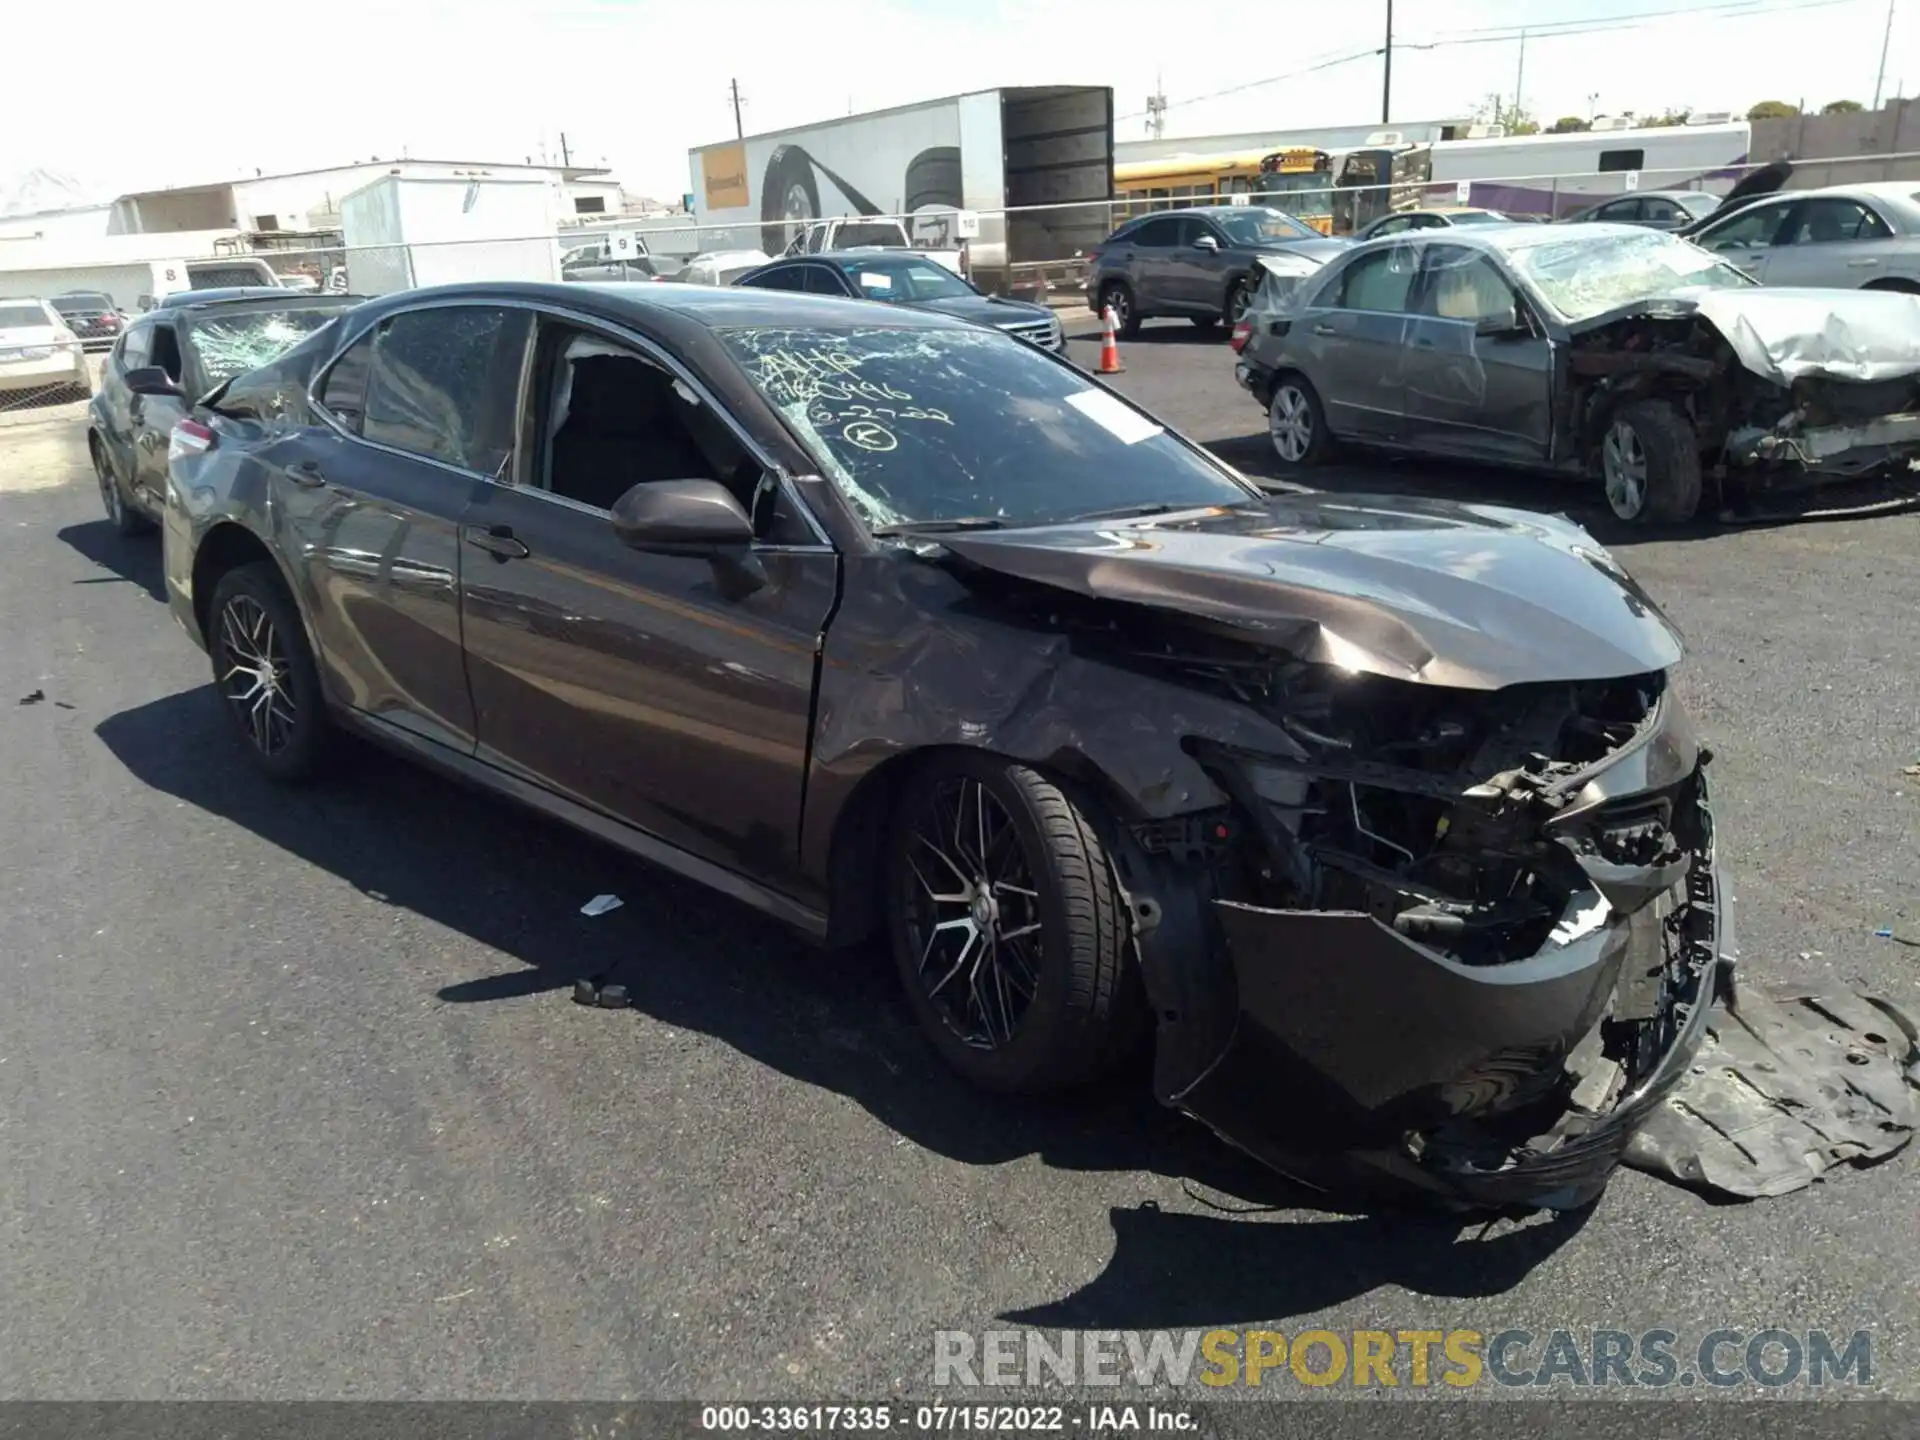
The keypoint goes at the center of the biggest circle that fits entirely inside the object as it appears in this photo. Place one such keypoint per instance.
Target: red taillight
(190, 437)
(1242, 333)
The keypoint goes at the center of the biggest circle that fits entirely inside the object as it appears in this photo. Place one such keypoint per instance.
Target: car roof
(1905, 191)
(679, 307)
(1508, 236)
(866, 254)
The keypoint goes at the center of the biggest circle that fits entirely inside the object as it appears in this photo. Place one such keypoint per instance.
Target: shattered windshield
(230, 345)
(1587, 276)
(929, 425)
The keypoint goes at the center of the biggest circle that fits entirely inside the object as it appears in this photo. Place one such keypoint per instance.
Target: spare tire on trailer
(933, 178)
(788, 195)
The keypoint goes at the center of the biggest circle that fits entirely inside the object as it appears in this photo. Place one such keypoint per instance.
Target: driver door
(154, 417)
(671, 692)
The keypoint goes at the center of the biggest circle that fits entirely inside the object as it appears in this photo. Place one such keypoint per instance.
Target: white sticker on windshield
(875, 282)
(1129, 427)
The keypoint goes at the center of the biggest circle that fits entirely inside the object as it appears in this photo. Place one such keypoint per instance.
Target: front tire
(1297, 424)
(1007, 928)
(264, 672)
(1650, 464)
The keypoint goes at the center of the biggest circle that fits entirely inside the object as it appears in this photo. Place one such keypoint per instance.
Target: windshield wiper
(1128, 512)
(942, 527)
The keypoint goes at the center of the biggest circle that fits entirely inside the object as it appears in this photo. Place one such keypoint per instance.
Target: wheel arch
(856, 852)
(224, 548)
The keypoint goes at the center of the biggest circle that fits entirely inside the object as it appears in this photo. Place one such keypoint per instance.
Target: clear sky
(634, 83)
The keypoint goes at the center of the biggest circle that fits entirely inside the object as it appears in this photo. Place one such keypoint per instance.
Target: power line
(1493, 35)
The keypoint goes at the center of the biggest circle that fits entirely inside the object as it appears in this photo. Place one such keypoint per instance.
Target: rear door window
(1160, 234)
(442, 383)
(787, 277)
(1381, 281)
(820, 280)
(1833, 219)
(1619, 211)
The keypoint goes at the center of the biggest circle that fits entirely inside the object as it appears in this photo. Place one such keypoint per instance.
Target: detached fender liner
(1353, 1039)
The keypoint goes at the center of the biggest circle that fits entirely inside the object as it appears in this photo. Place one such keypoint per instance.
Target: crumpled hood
(1785, 333)
(1473, 596)
(1782, 333)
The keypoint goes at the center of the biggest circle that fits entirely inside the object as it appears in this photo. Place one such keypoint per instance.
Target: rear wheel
(1650, 464)
(1239, 300)
(122, 516)
(1007, 928)
(265, 673)
(1297, 425)
(1118, 298)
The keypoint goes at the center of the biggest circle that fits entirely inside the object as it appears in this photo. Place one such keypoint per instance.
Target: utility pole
(566, 160)
(1886, 39)
(1386, 78)
(1157, 110)
(739, 130)
(1519, 78)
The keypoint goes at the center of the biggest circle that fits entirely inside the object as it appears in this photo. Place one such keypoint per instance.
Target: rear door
(1467, 393)
(1147, 255)
(421, 412)
(1354, 341)
(1746, 238)
(1832, 240)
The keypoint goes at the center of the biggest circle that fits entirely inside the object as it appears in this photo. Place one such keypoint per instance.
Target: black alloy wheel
(1008, 930)
(265, 673)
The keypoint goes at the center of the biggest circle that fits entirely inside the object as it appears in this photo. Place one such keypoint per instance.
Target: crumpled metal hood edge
(1474, 597)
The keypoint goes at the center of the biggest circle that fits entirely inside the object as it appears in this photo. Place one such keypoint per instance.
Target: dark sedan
(1203, 264)
(190, 343)
(92, 315)
(899, 277)
(1381, 816)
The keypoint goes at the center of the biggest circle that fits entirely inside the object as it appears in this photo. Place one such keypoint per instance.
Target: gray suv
(1201, 263)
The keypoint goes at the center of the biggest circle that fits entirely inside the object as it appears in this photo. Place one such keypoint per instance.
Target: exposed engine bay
(1773, 407)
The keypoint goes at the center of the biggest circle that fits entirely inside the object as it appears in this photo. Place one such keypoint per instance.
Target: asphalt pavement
(294, 1101)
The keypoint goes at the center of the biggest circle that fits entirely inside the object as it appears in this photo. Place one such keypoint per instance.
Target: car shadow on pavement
(134, 559)
(693, 960)
(1183, 1270)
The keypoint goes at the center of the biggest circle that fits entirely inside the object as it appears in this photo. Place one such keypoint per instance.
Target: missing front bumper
(1350, 1039)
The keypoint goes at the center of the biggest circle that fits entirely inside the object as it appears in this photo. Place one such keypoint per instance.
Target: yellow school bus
(1298, 181)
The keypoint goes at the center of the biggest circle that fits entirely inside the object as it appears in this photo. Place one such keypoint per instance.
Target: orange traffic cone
(1109, 347)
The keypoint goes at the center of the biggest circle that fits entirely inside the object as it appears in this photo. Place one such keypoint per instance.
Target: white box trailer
(983, 153)
(406, 231)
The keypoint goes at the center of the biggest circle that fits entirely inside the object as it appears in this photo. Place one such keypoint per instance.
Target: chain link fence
(59, 328)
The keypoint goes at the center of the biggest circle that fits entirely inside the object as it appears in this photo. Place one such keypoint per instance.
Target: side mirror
(1506, 323)
(152, 380)
(1206, 242)
(681, 517)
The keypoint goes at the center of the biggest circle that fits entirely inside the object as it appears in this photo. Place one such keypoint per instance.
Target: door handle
(306, 474)
(498, 541)
(1325, 329)
(1423, 344)
(1861, 264)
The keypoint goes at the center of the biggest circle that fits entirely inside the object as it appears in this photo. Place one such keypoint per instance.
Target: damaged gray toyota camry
(1380, 818)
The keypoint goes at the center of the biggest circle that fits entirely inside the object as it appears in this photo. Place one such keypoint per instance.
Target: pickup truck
(863, 232)
(595, 260)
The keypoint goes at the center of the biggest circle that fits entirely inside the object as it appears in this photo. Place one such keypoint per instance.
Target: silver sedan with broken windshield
(1614, 352)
